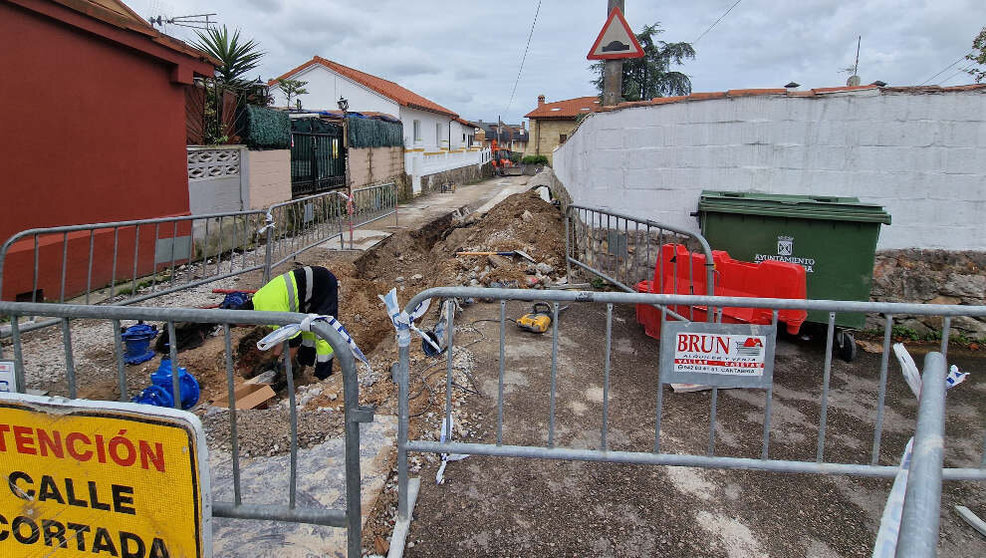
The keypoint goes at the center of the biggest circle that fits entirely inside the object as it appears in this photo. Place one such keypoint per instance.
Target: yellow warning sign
(92, 479)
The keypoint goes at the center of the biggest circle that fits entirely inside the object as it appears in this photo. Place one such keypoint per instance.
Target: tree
(292, 88)
(236, 60)
(651, 75)
(978, 56)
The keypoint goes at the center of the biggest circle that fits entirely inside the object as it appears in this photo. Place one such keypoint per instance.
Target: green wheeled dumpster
(834, 238)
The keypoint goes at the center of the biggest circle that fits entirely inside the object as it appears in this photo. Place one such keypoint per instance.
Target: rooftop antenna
(854, 80)
(194, 21)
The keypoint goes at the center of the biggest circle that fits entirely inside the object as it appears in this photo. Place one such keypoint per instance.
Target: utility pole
(612, 69)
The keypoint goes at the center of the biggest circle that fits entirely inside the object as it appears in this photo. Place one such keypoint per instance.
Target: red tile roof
(569, 108)
(119, 15)
(389, 89)
(735, 93)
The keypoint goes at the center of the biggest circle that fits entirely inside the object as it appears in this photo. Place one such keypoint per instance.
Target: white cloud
(466, 55)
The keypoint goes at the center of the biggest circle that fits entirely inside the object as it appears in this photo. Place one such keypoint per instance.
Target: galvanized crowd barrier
(626, 250)
(927, 471)
(349, 518)
(127, 262)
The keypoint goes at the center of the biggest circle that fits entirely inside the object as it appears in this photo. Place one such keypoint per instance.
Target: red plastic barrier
(682, 272)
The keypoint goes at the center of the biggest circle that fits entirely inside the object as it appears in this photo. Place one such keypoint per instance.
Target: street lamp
(344, 106)
(262, 90)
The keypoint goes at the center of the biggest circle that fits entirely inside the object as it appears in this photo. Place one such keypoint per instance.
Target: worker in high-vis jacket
(308, 290)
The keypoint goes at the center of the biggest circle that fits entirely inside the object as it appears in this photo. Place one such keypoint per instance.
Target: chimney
(540, 100)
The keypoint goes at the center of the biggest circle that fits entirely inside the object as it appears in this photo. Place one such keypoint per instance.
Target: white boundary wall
(919, 153)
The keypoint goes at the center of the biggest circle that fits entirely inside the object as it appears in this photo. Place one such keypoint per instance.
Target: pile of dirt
(417, 260)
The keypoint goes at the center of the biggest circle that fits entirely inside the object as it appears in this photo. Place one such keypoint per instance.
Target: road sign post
(87, 477)
(615, 42)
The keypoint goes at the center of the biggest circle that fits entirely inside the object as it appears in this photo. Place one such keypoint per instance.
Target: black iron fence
(318, 157)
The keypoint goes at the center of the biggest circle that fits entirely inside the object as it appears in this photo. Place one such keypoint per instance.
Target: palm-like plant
(236, 59)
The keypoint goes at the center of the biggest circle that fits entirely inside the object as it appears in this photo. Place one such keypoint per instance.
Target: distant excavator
(501, 158)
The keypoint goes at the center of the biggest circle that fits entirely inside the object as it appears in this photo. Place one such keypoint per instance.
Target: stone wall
(462, 175)
(932, 277)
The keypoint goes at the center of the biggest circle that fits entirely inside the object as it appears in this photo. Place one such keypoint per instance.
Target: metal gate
(290, 510)
(318, 157)
(921, 503)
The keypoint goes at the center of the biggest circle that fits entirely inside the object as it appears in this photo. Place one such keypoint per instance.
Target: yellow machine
(538, 320)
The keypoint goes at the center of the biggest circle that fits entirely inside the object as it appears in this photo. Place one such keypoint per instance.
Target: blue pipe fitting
(160, 392)
(138, 340)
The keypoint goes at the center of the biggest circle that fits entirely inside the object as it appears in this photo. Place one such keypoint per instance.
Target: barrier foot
(401, 528)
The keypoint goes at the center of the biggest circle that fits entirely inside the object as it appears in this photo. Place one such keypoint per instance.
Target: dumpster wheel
(845, 345)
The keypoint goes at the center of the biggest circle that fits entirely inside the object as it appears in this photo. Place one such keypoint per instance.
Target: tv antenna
(854, 69)
(195, 21)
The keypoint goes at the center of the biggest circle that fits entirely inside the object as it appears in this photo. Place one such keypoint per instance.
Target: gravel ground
(513, 507)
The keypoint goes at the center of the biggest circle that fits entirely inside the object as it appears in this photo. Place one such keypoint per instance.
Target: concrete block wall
(919, 153)
(268, 176)
(372, 165)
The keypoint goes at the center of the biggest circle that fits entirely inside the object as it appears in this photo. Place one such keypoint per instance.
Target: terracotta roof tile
(118, 14)
(544, 111)
(755, 92)
(824, 90)
(568, 108)
(389, 89)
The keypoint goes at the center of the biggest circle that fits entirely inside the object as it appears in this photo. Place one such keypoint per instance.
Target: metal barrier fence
(626, 250)
(350, 517)
(863, 463)
(126, 262)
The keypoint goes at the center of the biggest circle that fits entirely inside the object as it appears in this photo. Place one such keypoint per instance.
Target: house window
(562, 138)
(417, 130)
(438, 134)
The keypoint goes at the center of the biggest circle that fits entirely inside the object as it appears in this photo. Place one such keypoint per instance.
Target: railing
(127, 262)
(626, 250)
(349, 517)
(850, 461)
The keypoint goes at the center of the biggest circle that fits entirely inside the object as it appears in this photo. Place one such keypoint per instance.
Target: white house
(435, 138)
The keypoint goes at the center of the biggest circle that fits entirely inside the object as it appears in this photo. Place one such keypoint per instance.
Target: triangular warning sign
(616, 40)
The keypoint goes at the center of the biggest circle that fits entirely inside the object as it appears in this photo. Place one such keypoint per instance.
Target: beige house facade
(552, 123)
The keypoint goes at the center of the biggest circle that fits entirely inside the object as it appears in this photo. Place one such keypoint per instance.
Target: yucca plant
(236, 59)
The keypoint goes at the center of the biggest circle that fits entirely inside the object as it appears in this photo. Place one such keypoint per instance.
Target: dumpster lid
(828, 208)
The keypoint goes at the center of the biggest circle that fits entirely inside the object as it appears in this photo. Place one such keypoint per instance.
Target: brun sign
(718, 355)
(84, 478)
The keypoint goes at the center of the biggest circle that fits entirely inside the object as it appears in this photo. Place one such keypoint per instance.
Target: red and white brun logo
(703, 343)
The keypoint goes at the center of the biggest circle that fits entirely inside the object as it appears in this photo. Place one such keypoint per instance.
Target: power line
(943, 70)
(714, 23)
(960, 71)
(524, 59)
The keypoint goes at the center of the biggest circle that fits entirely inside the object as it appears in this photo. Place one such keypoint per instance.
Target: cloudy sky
(466, 55)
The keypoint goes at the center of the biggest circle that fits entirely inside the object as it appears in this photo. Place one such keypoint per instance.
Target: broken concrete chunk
(499, 262)
(526, 215)
(417, 277)
(399, 279)
(544, 268)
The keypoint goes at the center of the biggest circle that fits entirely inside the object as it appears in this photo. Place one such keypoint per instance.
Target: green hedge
(265, 128)
(535, 160)
(365, 132)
